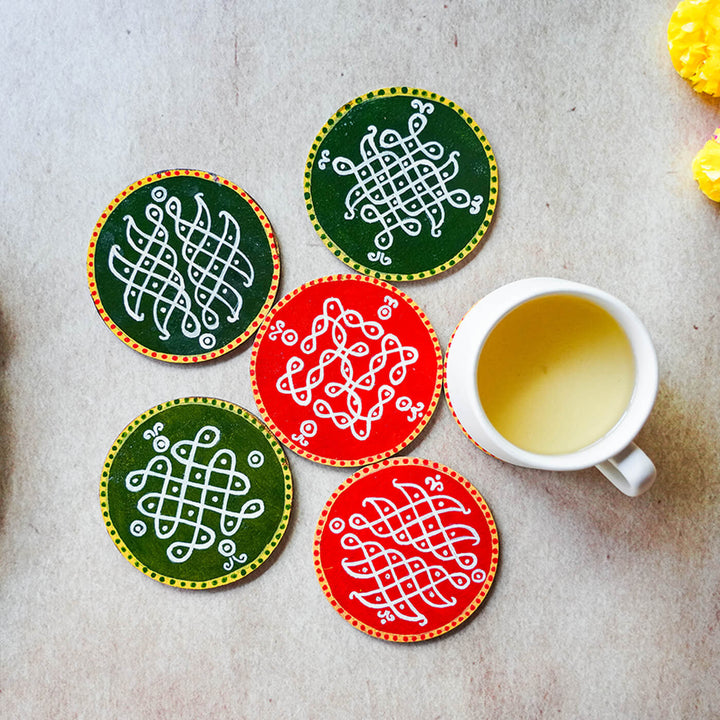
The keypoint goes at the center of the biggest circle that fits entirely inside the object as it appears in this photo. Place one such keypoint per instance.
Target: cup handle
(630, 471)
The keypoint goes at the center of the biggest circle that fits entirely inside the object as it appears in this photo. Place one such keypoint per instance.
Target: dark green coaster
(183, 266)
(196, 493)
(401, 184)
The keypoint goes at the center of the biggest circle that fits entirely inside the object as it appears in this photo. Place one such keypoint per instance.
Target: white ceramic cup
(614, 454)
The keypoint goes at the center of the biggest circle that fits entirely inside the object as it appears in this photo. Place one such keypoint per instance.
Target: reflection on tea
(555, 374)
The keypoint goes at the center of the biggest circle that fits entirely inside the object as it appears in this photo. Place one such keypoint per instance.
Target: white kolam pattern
(401, 181)
(180, 492)
(359, 349)
(435, 558)
(147, 265)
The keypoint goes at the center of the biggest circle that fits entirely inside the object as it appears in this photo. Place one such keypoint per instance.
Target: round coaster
(183, 266)
(346, 370)
(406, 550)
(401, 183)
(196, 493)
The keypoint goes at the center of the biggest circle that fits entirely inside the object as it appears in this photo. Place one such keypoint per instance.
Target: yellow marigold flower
(706, 167)
(694, 43)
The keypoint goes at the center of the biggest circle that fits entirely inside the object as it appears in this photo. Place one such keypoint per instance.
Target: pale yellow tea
(555, 374)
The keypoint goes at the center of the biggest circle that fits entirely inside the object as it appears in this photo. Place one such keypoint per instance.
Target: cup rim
(639, 406)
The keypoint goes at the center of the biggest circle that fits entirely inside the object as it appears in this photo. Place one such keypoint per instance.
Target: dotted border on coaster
(240, 572)
(467, 611)
(447, 397)
(409, 92)
(169, 357)
(334, 462)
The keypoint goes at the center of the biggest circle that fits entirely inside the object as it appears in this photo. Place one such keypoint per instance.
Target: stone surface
(603, 606)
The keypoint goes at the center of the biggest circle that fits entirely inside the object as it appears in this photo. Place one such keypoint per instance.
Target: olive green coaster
(183, 266)
(401, 183)
(196, 493)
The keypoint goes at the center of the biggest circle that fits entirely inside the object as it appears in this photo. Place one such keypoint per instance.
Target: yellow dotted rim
(240, 572)
(466, 612)
(295, 447)
(169, 357)
(409, 92)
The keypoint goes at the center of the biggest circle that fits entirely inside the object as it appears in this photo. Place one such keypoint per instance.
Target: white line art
(420, 522)
(402, 182)
(359, 350)
(148, 266)
(402, 580)
(399, 584)
(193, 503)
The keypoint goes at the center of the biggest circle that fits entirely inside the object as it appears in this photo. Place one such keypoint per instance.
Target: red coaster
(406, 550)
(346, 370)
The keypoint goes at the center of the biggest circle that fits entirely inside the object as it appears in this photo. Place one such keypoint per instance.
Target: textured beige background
(604, 607)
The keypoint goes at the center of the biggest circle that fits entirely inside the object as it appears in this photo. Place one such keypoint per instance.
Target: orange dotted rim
(335, 462)
(447, 396)
(467, 611)
(485, 223)
(169, 357)
(236, 574)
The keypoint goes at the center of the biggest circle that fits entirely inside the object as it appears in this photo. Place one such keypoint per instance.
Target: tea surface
(555, 374)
